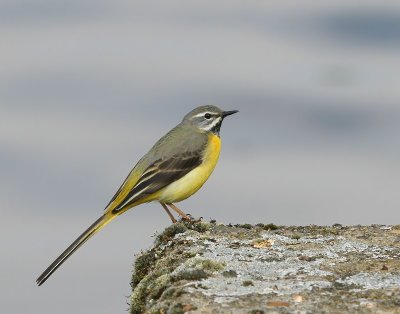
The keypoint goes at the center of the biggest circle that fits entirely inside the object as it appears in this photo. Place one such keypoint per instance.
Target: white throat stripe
(213, 124)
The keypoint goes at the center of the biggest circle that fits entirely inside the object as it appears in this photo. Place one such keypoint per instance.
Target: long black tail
(92, 230)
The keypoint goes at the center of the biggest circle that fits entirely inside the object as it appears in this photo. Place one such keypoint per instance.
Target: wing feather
(160, 174)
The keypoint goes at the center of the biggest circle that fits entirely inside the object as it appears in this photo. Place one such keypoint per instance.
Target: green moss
(170, 232)
(167, 262)
(191, 274)
(326, 231)
(143, 264)
(211, 265)
(190, 254)
(153, 270)
(295, 236)
(159, 285)
(181, 227)
(138, 298)
(245, 226)
(180, 308)
(150, 287)
(247, 283)
(267, 227)
(230, 274)
(170, 292)
(197, 269)
(201, 226)
(151, 277)
(176, 309)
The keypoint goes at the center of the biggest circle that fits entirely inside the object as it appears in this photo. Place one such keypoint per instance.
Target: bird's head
(207, 118)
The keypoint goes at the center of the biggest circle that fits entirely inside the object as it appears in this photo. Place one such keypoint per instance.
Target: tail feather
(92, 230)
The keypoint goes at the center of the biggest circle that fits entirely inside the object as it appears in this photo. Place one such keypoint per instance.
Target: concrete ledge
(213, 268)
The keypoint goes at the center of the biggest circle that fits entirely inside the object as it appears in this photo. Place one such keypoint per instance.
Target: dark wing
(159, 174)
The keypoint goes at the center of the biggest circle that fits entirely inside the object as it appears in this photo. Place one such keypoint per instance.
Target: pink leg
(168, 212)
(181, 213)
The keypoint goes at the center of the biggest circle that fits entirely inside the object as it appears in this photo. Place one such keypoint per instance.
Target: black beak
(228, 113)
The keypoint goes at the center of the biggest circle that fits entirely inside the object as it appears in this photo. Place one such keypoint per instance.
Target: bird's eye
(207, 116)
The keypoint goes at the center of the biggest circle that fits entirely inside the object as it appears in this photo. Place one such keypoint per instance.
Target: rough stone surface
(213, 268)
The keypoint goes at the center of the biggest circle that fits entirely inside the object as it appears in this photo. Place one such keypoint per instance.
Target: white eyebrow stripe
(203, 113)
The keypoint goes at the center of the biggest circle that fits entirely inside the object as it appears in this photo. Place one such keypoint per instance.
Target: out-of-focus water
(86, 88)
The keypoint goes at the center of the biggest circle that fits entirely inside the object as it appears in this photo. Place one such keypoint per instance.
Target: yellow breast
(194, 180)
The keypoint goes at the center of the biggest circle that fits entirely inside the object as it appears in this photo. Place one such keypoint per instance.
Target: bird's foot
(193, 220)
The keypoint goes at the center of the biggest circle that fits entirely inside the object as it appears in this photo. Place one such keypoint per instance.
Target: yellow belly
(194, 180)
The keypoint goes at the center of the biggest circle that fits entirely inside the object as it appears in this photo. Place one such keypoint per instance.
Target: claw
(193, 220)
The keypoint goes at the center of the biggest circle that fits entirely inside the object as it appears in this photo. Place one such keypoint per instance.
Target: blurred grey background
(86, 88)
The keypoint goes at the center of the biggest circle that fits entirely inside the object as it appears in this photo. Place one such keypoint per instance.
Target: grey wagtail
(176, 167)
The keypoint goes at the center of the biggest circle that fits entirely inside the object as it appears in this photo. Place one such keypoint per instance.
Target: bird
(175, 168)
